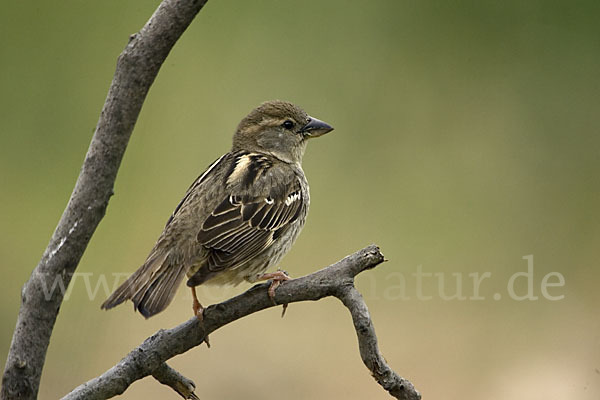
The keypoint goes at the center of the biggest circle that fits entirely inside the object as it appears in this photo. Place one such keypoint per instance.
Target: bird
(237, 219)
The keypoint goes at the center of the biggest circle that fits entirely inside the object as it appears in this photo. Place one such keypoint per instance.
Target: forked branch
(335, 280)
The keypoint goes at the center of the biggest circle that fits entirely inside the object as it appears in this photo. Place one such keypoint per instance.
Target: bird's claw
(277, 278)
(198, 310)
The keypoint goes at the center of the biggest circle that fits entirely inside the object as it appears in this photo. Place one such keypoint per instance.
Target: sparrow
(236, 220)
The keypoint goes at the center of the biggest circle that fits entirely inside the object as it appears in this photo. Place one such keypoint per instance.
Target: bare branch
(336, 280)
(397, 386)
(179, 383)
(137, 67)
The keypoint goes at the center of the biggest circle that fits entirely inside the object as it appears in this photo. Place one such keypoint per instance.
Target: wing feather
(222, 219)
(241, 227)
(260, 214)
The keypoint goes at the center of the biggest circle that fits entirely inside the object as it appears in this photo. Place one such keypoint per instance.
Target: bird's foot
(277, 278)
(196, 306)
(198, 312)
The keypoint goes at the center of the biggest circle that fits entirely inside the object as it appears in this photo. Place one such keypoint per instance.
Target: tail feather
(151, 287)
(158, 293)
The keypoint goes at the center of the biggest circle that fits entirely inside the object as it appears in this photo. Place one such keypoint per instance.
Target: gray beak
(315, 128)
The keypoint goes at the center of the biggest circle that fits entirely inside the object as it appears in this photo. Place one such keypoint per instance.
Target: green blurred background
(467, 137)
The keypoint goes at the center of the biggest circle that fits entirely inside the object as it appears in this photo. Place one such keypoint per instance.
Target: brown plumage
(238, 218)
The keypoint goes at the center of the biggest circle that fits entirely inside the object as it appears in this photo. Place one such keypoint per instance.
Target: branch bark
(336, 280)
(137, 67)
(179, 383)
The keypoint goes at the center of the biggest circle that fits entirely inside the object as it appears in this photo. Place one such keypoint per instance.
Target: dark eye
(288, 124)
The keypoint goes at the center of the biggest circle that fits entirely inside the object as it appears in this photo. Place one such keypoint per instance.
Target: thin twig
(179, 383)
(137, 68)
(397, 386)
(336, 280)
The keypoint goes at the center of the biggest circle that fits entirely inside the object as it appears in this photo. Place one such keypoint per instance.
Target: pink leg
(196, 306)
(198, 311)
(277, 277)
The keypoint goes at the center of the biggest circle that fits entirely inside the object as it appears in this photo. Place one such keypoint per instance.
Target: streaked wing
(241, 227)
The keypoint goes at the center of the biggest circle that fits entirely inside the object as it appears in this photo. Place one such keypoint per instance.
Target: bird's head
(278, 128)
